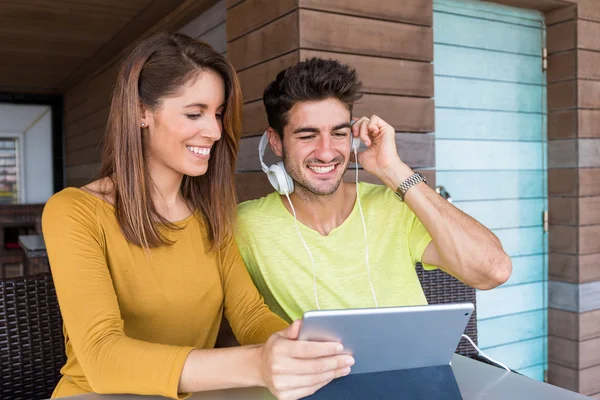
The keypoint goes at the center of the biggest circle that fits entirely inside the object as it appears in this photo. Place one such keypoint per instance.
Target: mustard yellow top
(131, 317)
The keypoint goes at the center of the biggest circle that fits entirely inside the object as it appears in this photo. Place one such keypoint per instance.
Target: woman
(144, 260)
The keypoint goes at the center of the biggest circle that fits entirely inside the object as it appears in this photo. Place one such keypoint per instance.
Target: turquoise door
(490, 95)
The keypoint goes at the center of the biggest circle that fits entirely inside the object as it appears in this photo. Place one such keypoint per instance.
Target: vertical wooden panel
(588, 9)
(561, 15)
(589, 211)
(330, 32)
(252, 14)
(588, 239)
(563, 376)
(589, 123)
(588, 152)
(563, 182)
(254, 80)
(588, 268)
(209, 20)
(255, 119)
(588, 35)
(589, 325)
(562, 153)
(563, 267)
(405, 114)
(418, 12)
(562, 37)
(270, 41)
(562, 124)
(252, 185)
(562, 66)
(587, 65)
(562, 95)
(563, 239)
(397, 77)
(232, 3)
(563, 210)
(563, 351)
(588, 94)
(563, 324)
(589, 181)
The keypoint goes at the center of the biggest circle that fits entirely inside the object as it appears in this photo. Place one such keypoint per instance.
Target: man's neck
(323, 213)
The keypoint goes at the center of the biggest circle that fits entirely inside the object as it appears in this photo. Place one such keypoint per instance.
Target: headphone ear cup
(280, 179)
(355, 144)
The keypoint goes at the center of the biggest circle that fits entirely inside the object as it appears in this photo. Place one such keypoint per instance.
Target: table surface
(475, 380)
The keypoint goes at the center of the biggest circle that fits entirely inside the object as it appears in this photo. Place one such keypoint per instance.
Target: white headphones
(276, 173)
(278, 176)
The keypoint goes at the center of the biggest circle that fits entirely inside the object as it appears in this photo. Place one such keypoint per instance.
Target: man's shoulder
(259, 223)
(253, 214)
(380, 202)
(250, 208)
(376, 193)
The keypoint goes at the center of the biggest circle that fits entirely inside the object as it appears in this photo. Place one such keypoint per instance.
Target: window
(10, 171)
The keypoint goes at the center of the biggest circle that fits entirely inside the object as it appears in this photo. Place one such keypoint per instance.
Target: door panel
(490, 97)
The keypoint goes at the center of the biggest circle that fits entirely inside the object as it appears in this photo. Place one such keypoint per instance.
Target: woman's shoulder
(68, 204)
(80, 202)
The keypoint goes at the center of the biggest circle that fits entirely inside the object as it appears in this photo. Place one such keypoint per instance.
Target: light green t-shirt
(283, 273)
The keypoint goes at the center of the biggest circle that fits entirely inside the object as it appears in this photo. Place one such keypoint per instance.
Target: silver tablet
(391, 338)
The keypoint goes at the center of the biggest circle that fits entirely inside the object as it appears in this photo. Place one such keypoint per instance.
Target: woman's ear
(275, 142)
(145, 117)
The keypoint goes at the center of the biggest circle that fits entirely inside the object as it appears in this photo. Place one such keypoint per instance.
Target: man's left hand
(381, 156)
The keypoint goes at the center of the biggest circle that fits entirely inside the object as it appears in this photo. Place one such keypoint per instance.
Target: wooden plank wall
(574, 195)
(87, 104)
(390, 43)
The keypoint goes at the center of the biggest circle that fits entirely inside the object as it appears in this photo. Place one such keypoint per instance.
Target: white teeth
(322, 170)
(199, 150)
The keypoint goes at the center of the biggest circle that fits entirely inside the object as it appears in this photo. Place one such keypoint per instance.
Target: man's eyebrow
(306, 129)
(341, 126)
(310, 129)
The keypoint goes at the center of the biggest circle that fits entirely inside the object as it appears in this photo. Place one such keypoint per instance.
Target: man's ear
(275, 142)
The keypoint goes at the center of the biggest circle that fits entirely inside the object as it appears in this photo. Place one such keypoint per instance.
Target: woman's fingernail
(350, 361)
(339, 348)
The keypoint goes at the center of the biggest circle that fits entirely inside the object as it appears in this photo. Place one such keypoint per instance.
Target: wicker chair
(32, 347)
(441, 288)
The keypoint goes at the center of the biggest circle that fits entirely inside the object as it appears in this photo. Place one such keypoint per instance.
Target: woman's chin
(194, 172)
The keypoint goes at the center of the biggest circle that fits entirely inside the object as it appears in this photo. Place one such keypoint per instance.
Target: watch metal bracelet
(407, 184)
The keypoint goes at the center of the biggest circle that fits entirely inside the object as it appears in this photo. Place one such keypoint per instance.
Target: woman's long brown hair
(160, 66)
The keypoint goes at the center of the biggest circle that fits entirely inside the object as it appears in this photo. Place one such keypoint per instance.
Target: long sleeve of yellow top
(132, 317)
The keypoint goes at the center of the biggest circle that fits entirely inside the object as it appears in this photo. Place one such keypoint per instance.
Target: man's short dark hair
(310, 80)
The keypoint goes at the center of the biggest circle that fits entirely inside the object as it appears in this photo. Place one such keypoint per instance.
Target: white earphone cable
(362, 217)
(484, 355)
(312, 260)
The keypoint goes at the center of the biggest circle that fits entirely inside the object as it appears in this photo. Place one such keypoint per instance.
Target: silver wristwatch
(407, 184)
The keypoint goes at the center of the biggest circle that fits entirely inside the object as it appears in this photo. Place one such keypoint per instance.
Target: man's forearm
(463, 247)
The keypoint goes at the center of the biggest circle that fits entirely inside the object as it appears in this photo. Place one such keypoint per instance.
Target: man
(328, 258)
